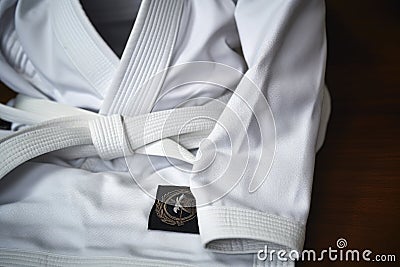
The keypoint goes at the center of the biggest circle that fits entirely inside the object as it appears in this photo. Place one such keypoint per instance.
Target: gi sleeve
(253, 177)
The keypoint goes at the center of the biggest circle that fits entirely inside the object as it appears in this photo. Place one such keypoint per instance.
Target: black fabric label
(174, 210)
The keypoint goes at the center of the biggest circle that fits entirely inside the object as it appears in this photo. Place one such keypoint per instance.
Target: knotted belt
(77, 133)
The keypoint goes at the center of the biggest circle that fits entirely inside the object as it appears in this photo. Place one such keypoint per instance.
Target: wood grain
(356, 189)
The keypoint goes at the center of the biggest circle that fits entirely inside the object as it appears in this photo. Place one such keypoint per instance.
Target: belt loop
(108, 136)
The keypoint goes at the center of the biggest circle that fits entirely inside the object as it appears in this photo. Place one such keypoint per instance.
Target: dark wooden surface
(5, 93)
(356, 191)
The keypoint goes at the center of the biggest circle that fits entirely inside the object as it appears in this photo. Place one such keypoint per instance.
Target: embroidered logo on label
(174, 210)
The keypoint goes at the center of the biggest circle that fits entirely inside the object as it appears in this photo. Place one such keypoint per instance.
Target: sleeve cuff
(235, 230)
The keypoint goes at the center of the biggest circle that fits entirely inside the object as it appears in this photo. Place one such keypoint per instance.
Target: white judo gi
(225, 98)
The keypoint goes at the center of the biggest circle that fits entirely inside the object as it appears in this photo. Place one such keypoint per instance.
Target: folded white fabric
(225, 97)
(286, 60)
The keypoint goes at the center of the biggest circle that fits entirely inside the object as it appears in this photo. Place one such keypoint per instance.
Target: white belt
(80, 133)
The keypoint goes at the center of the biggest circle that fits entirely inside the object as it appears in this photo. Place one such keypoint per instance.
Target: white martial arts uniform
(75, 202)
